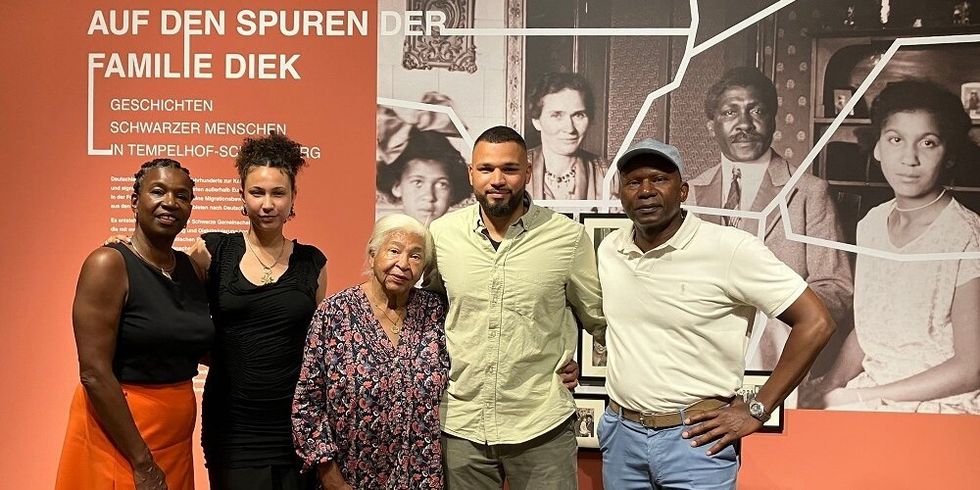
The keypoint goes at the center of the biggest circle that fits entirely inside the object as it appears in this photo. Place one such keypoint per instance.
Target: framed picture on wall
(592, 356)
(592, 359)
(588, 411)
(970, 94)
(841, 98)
(599, 225)
(751, 383)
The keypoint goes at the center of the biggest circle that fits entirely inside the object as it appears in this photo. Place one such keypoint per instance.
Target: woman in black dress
(263, 290)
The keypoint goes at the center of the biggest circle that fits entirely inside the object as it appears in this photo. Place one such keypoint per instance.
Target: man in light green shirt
(520, 279)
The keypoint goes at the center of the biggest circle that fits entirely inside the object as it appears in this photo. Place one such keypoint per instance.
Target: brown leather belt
(652, 420)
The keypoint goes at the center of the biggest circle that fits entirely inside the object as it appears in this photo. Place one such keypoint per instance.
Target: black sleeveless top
(165, 327)
(258, 350)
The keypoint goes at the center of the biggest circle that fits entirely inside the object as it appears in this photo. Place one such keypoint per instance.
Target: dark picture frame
(588, 412)
(752, 381)
(591, 357)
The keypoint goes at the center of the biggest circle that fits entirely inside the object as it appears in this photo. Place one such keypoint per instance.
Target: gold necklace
(266, 269)
(166, 271)
(396, 326)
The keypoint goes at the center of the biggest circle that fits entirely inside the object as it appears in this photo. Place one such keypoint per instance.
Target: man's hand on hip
(569, 374)
(725, 426)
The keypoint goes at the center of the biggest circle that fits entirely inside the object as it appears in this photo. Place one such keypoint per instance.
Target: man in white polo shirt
(679, 296)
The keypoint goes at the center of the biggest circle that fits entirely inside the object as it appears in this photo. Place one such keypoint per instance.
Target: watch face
(756, 408)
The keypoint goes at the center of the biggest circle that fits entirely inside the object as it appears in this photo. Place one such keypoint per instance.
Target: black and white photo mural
(842, 133)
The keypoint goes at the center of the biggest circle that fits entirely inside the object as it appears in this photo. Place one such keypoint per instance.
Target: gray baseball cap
(650, 146)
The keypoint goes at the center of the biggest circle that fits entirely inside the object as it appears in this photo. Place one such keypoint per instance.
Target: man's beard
(500, 209)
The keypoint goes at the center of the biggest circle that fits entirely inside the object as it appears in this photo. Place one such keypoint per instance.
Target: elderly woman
(366, 409)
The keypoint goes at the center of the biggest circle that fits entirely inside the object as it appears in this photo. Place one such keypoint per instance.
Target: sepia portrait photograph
(854, 221)
(588, 411)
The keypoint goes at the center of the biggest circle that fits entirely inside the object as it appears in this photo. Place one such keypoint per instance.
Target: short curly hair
(157, 163)
(427, 145)
(914, 94)
(276, 151)
(745, 77)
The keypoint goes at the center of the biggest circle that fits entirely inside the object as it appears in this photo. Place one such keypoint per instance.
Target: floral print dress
(369, 406)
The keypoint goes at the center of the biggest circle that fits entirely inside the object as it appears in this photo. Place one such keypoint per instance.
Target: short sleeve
(319, 260)
(213, 241)
(756, 277)
(969, 269)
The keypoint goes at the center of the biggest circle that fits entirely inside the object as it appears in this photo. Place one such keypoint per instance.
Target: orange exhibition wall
(69, 199)
(63, 196)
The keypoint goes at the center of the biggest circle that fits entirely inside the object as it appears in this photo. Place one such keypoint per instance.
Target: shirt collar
(527, 221)
(627, 246)
(764, 159)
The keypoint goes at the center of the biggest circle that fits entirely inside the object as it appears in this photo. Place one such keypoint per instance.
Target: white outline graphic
(442, 109)
(92, 151)
(565, 31)
(735, 29)
(689, 52)
(90, 129)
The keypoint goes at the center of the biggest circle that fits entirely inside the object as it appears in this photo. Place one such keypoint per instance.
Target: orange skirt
(164, 416)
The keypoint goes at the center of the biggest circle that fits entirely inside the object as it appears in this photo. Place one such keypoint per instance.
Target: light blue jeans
(635, 457)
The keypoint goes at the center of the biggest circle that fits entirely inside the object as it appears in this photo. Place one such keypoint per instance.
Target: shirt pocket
(533, 295)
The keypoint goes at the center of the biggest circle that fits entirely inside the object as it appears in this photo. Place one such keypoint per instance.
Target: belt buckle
(648, 415)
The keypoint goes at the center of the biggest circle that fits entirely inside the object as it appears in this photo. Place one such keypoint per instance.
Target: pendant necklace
(166, 271)
(396, 326)
(266, 269)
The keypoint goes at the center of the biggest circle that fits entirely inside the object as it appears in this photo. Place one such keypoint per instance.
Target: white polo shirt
(678, 316)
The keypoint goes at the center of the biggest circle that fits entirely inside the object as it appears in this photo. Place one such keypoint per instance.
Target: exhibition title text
(186, 24)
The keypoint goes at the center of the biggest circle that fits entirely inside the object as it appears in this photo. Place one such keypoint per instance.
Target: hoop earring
(244, 211)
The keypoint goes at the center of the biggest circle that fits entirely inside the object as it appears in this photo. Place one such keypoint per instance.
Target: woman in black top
(141, 324)
(263, 290)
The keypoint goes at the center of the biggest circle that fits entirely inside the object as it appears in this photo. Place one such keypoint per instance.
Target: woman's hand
(847, 367)
(118, 239)
(849, 398)
(331, 478)
(813, 390)
(149, 476)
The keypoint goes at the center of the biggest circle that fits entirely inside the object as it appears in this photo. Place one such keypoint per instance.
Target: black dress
(164, 329)
(260, 333)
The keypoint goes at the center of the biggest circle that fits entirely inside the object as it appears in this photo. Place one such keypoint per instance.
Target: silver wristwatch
(758, 410)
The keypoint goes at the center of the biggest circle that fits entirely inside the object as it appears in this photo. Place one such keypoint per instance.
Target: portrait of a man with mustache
(741, 118)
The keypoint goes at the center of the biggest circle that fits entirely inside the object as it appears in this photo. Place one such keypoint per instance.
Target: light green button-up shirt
(512, 321)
